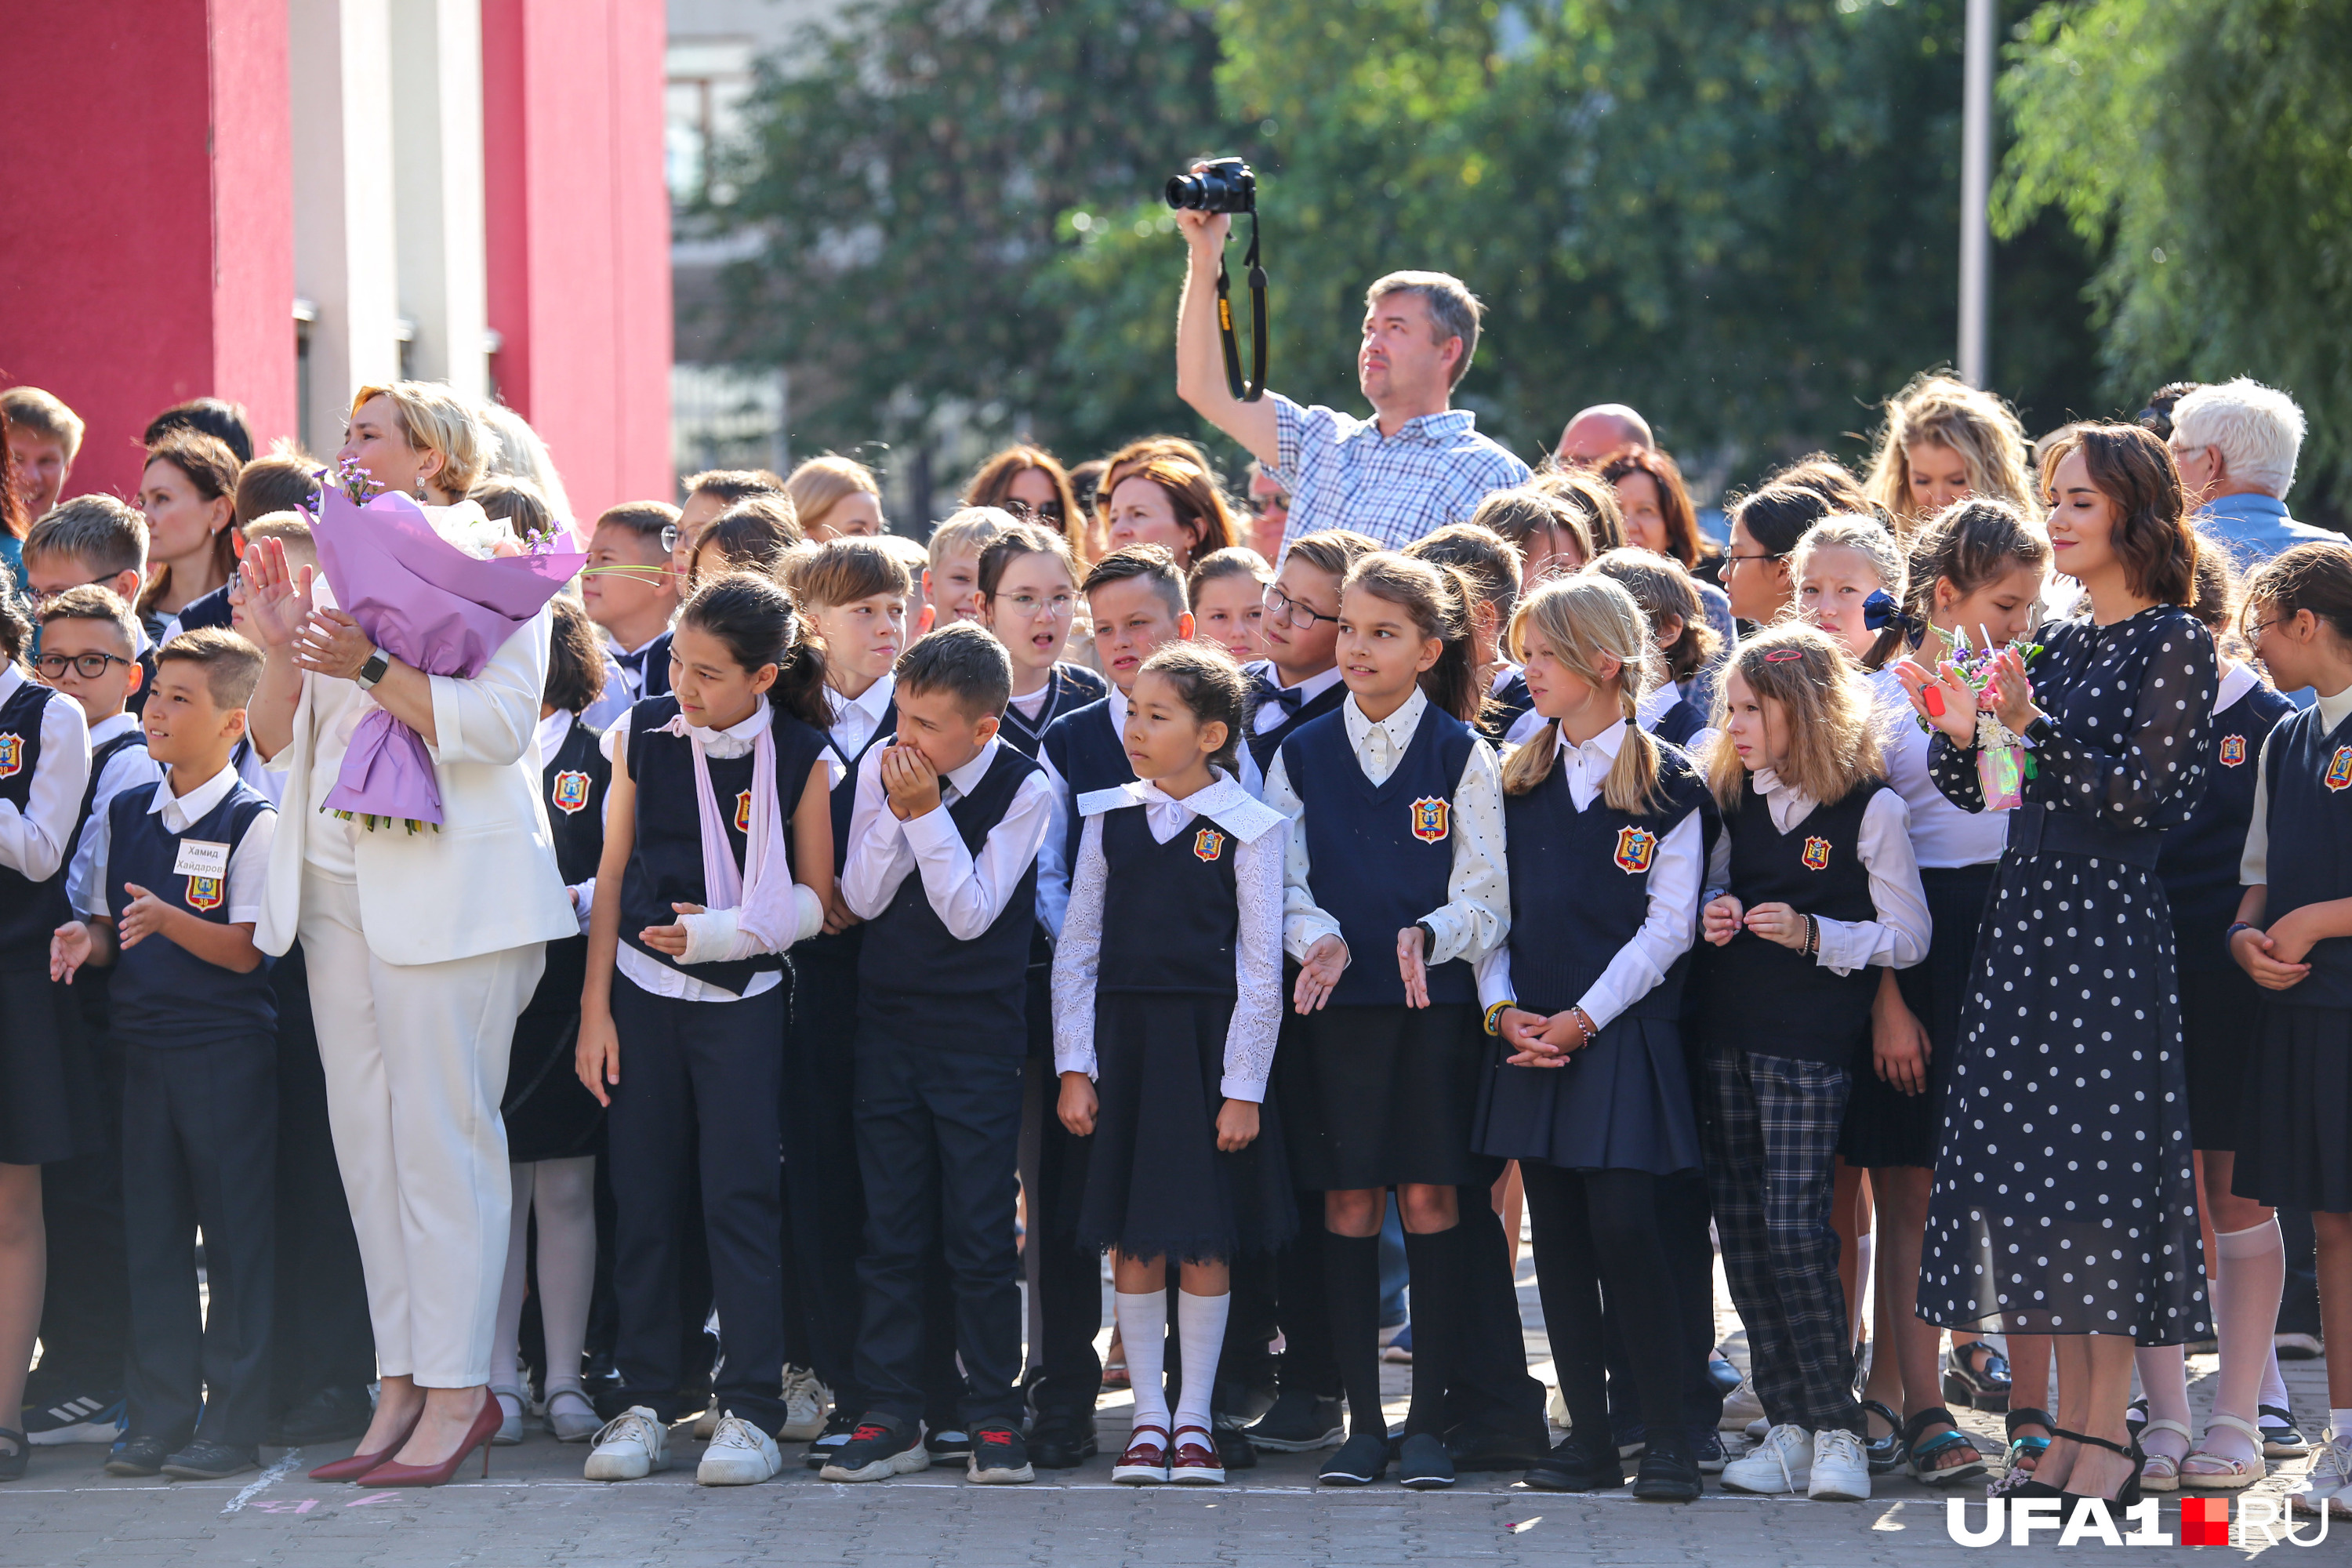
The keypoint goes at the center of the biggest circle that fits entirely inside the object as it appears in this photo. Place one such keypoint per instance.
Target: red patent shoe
(359, 1464)
(1197, 1463)
(485, 1427)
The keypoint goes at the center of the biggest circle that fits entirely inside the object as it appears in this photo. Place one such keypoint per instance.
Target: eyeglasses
(1775, 555)
(40, 599)
(1035, 511)
(1027, 605)
(1280, 607)
(88, 666)
(669, 538)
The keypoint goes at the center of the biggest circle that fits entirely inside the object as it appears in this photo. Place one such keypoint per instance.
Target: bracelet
(1585, 1018)
(1494, 1016)
(1812, 937)
(2229, 937)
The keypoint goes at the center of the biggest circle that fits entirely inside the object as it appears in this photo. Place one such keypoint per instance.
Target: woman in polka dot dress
(2064, 1202)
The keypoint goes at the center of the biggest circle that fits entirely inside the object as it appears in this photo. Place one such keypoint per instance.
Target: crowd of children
(950, 918)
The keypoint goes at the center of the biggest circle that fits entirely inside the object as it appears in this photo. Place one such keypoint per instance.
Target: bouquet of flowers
(441, 589)
(2003, 764)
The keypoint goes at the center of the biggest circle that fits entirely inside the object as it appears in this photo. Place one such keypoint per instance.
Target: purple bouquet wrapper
(430, 604)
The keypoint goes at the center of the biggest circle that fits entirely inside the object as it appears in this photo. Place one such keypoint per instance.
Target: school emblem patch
(1817, 854)
(2339, 767)
(2233, 751)
(11, 755)
(1208, 844)
(207, 892)
(571, 792)
(743, 811)
(1635, 848)
(1432, 817)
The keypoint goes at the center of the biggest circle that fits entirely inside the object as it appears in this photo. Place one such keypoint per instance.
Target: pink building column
(149, 250)
(578, 229)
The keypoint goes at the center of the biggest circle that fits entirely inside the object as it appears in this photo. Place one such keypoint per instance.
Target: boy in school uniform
(1298, 681)
(175, 895)
(93, 540)
(942, 869)
(951, 577)
(630, 590)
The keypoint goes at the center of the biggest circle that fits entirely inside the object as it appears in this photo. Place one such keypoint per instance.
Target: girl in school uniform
(1395, 886)
(554, 1126)
(1167, 999)
(2293, 937)
(1976, 570)
(49, 1108)
(704, 890)
(1814, 885)
(1028, 594)
(1587, 1089)
(1674, 708)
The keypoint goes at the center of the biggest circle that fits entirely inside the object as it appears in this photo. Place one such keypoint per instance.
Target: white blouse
(1898, 936)
(1260, 833)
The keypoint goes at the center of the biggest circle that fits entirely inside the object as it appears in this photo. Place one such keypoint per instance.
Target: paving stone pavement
(535, 1511)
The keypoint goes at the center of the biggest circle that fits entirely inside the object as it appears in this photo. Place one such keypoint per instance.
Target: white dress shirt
(1476, 916)
(855, 720)
(33, 841)
(1053, 872)
(1942, 835)
(1259, 832)
(248, 859)
(1898, 936)
(1669, 924)
(126, 769)
(966, 893)
(1271, 716)
(2254, 865)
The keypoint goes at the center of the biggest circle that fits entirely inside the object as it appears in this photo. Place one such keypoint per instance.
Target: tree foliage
(2209, 148)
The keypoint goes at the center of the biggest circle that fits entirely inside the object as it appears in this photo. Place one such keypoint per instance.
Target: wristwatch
(1428, 938)
(378, 665)
(2039, 730)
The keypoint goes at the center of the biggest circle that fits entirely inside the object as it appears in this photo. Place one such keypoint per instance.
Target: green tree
(2210, 148)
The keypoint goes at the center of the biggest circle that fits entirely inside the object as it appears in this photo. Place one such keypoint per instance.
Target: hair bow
(1881, 610)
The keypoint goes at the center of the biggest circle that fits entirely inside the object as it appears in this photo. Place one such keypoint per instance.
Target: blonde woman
(835, 498)
(1944, 440)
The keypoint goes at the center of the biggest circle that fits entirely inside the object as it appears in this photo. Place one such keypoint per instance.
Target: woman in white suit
(423, 947)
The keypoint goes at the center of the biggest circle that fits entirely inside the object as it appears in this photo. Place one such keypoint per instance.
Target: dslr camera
(1225, 186)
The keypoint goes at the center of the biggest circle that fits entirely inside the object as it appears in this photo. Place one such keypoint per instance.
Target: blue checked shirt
(1341, 472)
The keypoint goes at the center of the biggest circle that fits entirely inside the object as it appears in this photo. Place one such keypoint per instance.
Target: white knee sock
(1142, 1322)
(1201, 1330)
(2164, 1378)
(2245, 1316)
(564, 1199)
(2273, 1385)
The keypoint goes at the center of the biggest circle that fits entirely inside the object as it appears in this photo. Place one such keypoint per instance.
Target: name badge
(201, 858)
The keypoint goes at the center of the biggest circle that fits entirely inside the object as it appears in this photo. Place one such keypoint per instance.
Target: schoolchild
(1226, 589)
(1027, 590)
(1675, 710)
(1492, 568)
(631, 591)
(951, 576)
(98, 541)
(1298, 679)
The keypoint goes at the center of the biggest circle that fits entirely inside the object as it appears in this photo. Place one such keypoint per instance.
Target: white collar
(1313, 686)
(1770, 784)
(1604, 746)
(2332, 710)
(11, 679)
(1400, 724)
(192, 806)
(967, 778)
(1654, 703)
(1223, 802)
(734, 741)
(870, 701)
(552, 731)
(105, 730)
(2237, 680)
(1118, 711)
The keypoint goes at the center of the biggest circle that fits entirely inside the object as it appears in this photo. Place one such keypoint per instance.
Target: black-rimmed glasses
(88, 666)
(1280, 607)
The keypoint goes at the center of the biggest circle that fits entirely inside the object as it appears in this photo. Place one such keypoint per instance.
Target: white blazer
(487, 879)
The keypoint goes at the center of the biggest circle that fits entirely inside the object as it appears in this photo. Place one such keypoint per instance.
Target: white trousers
(416, 1058)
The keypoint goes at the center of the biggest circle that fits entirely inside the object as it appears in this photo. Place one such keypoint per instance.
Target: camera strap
(1255, 388)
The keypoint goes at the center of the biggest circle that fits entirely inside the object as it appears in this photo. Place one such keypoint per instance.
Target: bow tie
(1269, 690)
(635, 663)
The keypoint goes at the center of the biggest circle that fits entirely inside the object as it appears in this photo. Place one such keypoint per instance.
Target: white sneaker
(1757, 1430)
(1782, 1463)
(806, 1401)
(706, 1426)
(632, 1446)
(740, 1455)
(1740, 1406)
(2327, 1487)
(1840, 1470)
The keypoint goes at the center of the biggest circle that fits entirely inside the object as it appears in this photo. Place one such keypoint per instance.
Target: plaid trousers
(1769, 1130)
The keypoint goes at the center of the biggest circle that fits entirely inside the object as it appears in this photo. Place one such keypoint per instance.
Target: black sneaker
(999, 1457)
(1577, 1465)
(206, 1460)
(837, 1429)
(1630, 1437)
(1299, 1422)
(1669, 1473)
(1062, 1441)
(948, 1446)
(83, 1415)
(1361, 1461)
(1503, 1443)
(1705, 1447)
(138, 1456)
(1423, 1464)
(330, 1415)
(880, 1447)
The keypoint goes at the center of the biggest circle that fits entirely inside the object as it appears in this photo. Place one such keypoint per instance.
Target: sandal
(2225, 1474)
(511, 1407)
(2127, 1494)
(1980, 1387)
(2136, 1417)
(2280, 1438)
(2161, 1473)
(1886, 1454)
(2024, 1453)
(1923, 1452)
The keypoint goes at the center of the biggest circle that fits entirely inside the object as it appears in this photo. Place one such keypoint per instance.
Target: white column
(437, 117)
(345, 250)
(1975, 187)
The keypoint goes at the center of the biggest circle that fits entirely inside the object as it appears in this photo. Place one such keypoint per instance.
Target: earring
(420, 487)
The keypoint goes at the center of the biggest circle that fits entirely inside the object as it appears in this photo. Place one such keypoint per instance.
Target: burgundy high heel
(485, 1427)
(359, 1464)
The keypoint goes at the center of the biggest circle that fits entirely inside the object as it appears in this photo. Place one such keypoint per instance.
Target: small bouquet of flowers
(2003, 764)
(440, 588)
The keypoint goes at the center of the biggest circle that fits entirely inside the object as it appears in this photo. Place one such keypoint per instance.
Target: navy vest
(2309, 820)
(1381, 855)
(841, 946)
(1581, 886)
(1504, 708)
(1068, 686)
(665, 866)
(1172, 915)
(1262, 747)
(573, 782)
(1678, 723)
(2198, 860)
(1774, 1000)
(164, 994)
(29, 911)
(1089, 755)
(917, 982)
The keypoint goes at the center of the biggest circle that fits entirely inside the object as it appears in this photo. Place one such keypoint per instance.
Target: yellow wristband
(1495, 1016)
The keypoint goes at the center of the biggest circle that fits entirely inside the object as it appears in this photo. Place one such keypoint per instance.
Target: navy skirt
(1883, 1126)
(1621, 1103)
(549, 1112)
(50, 1101)
(2296, 1147)
(2218, 1009)
(1379, 1095)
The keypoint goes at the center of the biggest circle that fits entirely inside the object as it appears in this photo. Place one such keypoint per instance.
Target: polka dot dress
(2064, 1201)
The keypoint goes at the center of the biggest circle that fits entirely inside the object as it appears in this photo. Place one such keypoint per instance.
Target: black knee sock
(1567, 1280)
(1351, 1283)
(1643, 1303)
(1436, 1259)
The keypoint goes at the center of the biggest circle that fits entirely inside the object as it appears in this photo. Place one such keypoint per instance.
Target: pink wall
(579, 237)
(141, 269)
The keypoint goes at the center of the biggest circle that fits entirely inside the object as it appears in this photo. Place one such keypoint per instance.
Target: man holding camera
(1417, 465)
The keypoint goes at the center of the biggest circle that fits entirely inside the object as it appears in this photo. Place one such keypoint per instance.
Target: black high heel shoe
(2128, 1494)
